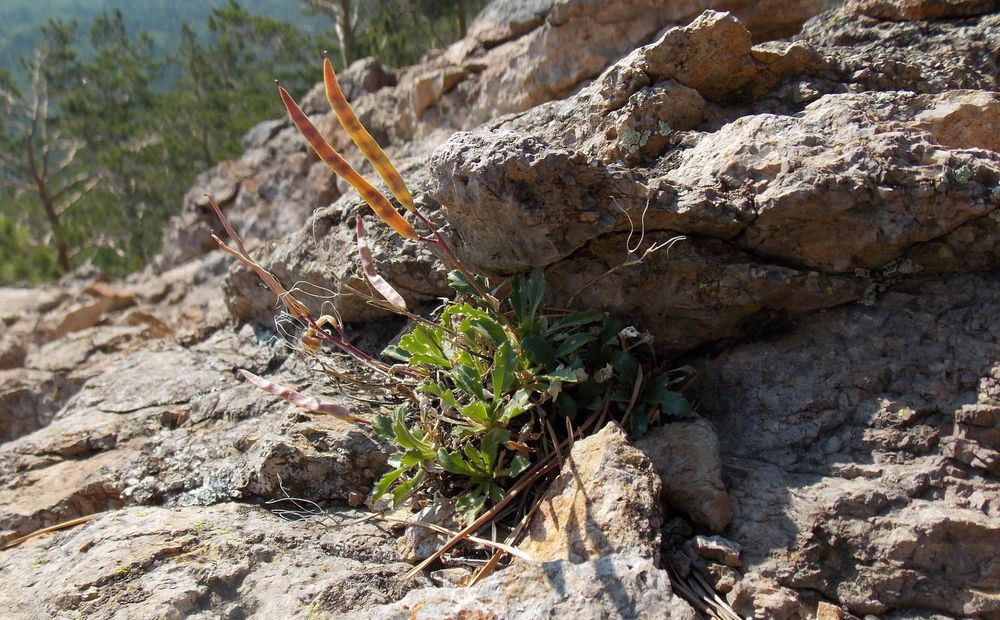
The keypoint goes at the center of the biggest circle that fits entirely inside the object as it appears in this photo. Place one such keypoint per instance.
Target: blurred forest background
(112, 107)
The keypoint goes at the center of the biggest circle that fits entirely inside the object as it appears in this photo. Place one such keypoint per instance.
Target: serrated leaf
(461, 285)
(561, 375)
(405, 437)
(567, 406)
(382, 486)
(411, 458)
(671, 403)
(382, 425)
(487, 327)
(539, 351)
(639, 423)
(494, 492)
(477, 412)
(424, 346)
(402, 491)
(491, 444)
(526, 294)
(468, 379)
(435, 389)
(477, 460)
(609, 332)
(625, 367)
(471, 503)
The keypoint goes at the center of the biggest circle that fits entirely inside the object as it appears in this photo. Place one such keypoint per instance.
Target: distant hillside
(20, 19)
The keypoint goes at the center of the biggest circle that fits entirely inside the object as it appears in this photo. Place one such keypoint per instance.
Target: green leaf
(502, 375)
(424, 346)
(397, 353)
(477, 411)
(539, 351)
(494, 492)
(671, 403)
(561, 375)
(526, 294)
(491, 444)
(468, 379)
(625, 367)
(402, 491)
(573, 343)
(458, 281)
(382, 425)
(477, 460)
(639, 423)
(575, 320)
(609, 332)
(518, 465)
(454, 463)
(411, 458)
(471, 503)
(486, 327)
(567, 406)
(382, 486)
(405, 437)
(435, 389)
(519, 403)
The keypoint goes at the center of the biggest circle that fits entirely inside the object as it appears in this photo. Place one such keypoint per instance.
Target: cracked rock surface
(834, 169)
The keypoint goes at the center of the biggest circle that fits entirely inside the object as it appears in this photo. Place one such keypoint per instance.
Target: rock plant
(495, 385)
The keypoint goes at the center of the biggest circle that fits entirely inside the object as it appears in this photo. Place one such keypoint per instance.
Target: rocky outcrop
(848, 449)
(211, 561)
(837, 193)
(603, 503)
(788, 209)
(594, 542)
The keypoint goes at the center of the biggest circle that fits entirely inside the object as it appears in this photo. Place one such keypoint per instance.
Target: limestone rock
(603, 502)
(854, 473)
(686, 455)
(923, 9)
(616, 586)
(715, 549)
(217, 561)
(855, 162)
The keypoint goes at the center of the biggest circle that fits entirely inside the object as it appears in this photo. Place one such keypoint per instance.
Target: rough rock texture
(789, 209)
(615, 586)
(859, 448)
(686, 455)
(838, 192)
(594, 539)
(517, 55)
(603, 503)
(224, 561)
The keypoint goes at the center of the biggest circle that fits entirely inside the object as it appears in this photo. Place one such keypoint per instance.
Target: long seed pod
(294, 306)
(368, 266)
(379, 203)
(301, 400)
(372, 151)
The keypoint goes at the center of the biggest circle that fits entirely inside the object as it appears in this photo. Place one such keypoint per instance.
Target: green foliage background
(155, 92)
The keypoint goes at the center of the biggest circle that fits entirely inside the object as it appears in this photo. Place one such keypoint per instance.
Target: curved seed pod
(379, 203)
(301, 400)
(372, 151)
(294, 306)
(368, 266)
